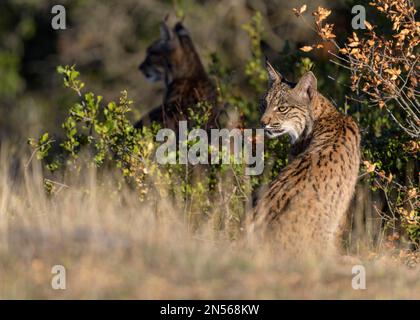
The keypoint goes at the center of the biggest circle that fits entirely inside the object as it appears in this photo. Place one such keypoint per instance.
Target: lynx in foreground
(304, 207)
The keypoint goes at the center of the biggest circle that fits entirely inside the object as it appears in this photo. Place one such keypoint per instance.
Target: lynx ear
(165, 31)
(180, 30)
(273, 75)
(306, 87)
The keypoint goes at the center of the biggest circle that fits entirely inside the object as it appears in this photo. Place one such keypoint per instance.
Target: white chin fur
(291, 131)
(285, 129)
(272, 135)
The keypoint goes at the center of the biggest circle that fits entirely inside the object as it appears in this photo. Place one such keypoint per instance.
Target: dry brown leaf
(322, 13)
(368, 25)
(306, 48)
(299, 11)
(343, 50)
(370, 167)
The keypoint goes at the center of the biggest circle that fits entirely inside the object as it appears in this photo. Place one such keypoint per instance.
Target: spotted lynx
(174, 60)
(303, 208)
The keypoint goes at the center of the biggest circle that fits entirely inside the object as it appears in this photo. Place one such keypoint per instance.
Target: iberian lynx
(174, 60)
(303, 208)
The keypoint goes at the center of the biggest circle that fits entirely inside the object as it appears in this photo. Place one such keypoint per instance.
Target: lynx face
(168, 56)
(288, 108)
(153, 66)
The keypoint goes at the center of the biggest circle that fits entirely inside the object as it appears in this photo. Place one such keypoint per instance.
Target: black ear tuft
(165, 31)
(273, 74)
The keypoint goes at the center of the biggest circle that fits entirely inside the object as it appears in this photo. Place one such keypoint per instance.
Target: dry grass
(113, 246)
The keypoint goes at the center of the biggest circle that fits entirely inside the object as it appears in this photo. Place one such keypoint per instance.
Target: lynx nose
(265, 121)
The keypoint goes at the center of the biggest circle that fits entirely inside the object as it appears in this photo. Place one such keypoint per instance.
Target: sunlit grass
(114, 246)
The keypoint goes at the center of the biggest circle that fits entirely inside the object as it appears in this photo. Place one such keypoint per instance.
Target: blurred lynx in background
(174, 60)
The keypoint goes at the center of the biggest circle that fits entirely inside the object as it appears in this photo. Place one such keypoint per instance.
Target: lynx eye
(280, 108)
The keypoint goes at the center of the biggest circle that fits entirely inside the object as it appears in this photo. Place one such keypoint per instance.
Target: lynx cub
(303, 208)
